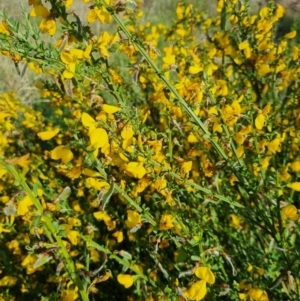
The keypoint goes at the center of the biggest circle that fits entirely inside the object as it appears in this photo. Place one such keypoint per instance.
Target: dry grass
(154, 11)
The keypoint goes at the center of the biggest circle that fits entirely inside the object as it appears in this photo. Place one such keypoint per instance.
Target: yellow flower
(70, 294)
(62, 152)
(35, 67)
(244, 285)
(295, 166)
(263, 69)
(91, 173)
(258, 295)
(4, 28)
(231, 113)
(133, 219)
(39, 10)
(95, 256)
(291, 34)
(294, 186)
(74, 173)
(126, 280)
(110, 109)
(119, 236)
(160, 183)
(70, 71)
(68, 3)
(284, 175)
(8, 281)
(280, 10)
(99, 13)
(291, 212)
(88, 121)
(186, 167)
(98, 138)
(97, 184)
(235, 221)
(48, 25)
(29, 262)
(221, 88)
(192, 138)
(105, 40)
(195, 69)
(205, 274)
(73, 237)
(274, 145)
(245, 46)
(102, 216)
(197, 291)
(74, 221)
(242, 296)
(168, 61)
(127, 136)
(264, 13)
(21, 161)
(47, 135)
(260, 121)
(70, 58)
(180, 8)
(166, 222)
(240, 151)
(23, 205)
(136, 169)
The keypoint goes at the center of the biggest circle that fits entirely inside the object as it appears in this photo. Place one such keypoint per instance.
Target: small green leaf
(43, 258)
(107, 196)
(114, 48)
(91, 244)
(206, 137)
(193, 242)
(125, 255)
(65, 194)
(17, 182)
(36, 221)
(56, 225)
(182, 256)
(177, 243)
(244, 193)
(130, 5)
(223, 17)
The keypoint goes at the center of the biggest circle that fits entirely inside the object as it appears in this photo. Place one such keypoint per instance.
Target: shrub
(165, 165)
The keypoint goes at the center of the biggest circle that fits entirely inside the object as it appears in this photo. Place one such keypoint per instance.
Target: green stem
(196, 186)
(202, 253)
(49, 226)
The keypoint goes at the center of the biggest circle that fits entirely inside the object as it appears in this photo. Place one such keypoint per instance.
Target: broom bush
(161, 162)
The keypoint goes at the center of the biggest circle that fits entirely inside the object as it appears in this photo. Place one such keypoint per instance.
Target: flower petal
(125, 280)
(110, 109)
(47, 135)
(98, 138)
(63, 153)
(206, 274)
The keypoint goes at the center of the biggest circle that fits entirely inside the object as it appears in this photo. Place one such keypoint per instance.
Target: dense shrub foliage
(162, 162)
